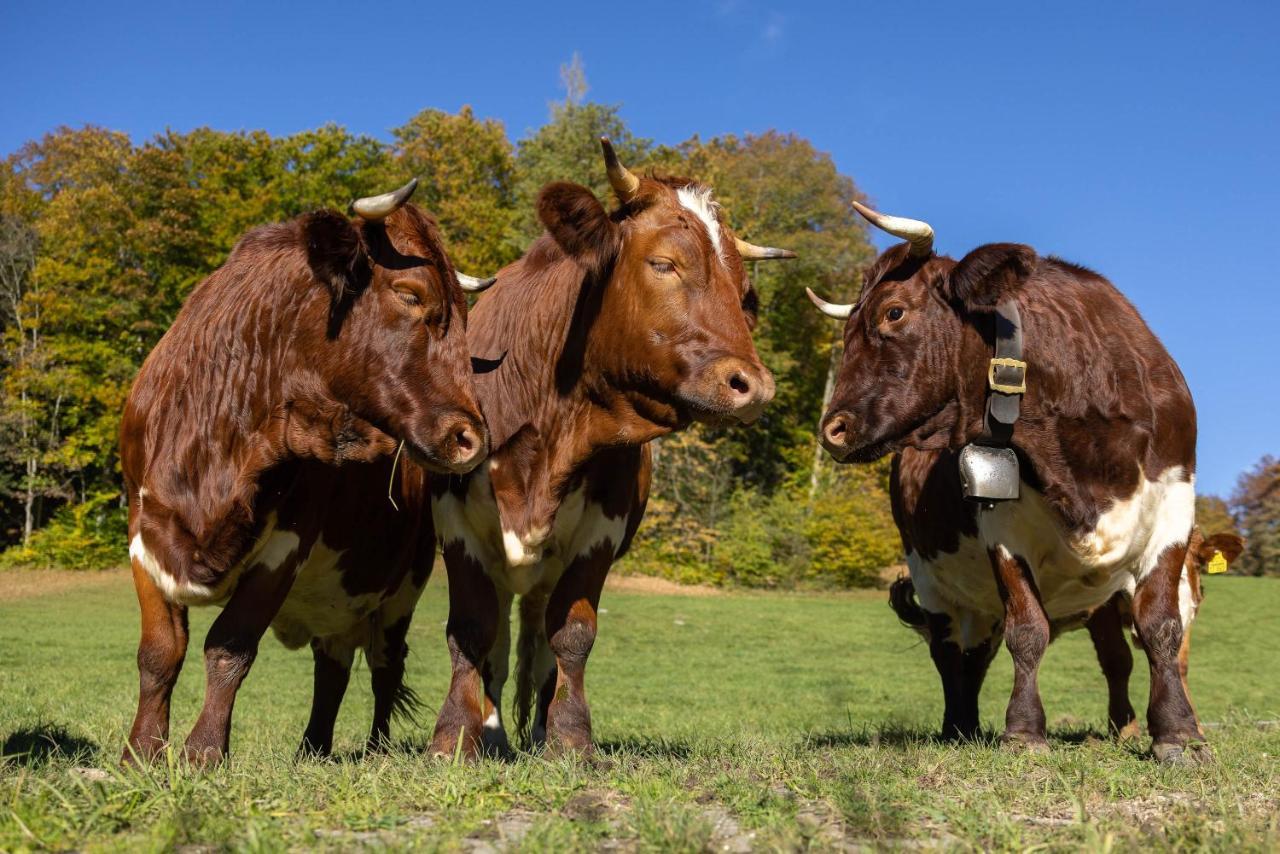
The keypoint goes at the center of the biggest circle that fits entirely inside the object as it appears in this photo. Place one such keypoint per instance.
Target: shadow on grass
(901, 736)
(646, 748)
(39, 745)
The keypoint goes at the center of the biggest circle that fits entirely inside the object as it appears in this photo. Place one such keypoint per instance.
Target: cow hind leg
(496, 669)
(161, 650)
(1158, 621)
(333, 660)
(1106, 630)
(229, 651)
(962, 672)
(1026, 637)
(392, 697)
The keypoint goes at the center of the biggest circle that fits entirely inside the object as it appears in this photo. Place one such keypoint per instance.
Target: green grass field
(728, 722)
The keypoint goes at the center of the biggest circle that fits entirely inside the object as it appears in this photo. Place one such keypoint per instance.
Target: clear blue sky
(1141, 139)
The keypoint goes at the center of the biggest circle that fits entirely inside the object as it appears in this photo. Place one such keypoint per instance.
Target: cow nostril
(738, 383)
(465, 439)
(837, 429)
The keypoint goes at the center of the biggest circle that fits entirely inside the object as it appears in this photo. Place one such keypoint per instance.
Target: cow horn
(381, 207)
(751, 252)
(620, 178)
(472, 285)
(830, 309)
(916, 232)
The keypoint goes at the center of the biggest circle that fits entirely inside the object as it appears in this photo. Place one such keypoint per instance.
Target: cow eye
(662, 266)
(894, 314)
(409, 298)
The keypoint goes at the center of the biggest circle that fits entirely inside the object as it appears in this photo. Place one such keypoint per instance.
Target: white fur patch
(317, 604)
(1074, 575)
(186, 593)
(698, 200)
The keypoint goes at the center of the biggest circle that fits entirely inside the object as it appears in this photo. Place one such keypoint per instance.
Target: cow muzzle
(838, 434)
(459, 444)
(735, 390)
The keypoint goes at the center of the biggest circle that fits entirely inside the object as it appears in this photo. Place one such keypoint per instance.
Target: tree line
(101, 240)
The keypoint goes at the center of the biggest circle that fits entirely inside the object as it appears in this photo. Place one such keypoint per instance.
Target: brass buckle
(1020, 388)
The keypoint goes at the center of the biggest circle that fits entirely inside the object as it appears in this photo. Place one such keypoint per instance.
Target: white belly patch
(1074, 574)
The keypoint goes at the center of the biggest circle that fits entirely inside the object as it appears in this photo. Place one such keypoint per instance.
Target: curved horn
(620, 178)
(916, 232)
(751, 252)
(830, 309)
(472, 285)
(381, 207)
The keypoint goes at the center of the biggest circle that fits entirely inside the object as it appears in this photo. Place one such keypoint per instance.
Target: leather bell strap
(1006, 376)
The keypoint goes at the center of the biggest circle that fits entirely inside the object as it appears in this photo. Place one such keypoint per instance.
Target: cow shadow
(41, 744)
(645, 747)
(901, 736)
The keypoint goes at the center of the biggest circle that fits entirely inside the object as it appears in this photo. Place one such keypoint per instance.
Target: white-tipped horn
(381, 207)
(620, 178)
(472, 285)
(751, 252)
(916, 232)
(830, 309)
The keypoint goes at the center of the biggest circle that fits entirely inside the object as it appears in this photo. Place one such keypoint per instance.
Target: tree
(467, 169)
(1256, 505)
(1214, 516)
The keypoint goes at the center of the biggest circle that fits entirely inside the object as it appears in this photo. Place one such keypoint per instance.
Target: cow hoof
(204, 757)
(1182, 755)
(1128, 732)
(1028, 742)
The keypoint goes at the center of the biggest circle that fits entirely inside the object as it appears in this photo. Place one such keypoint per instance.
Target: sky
(1141, 139)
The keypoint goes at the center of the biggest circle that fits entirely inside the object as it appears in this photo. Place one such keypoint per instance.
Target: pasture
(730, 721)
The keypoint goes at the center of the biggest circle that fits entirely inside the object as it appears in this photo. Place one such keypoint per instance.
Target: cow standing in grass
(612, 330)
(1104, 435)
(255, 447)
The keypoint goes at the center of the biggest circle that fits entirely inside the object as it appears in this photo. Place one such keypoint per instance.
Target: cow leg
(333, 658)
(496, 669)
(471, 632)
(571, 632)
(1027, 637)
(229, 651)
(1159, 624)
(1106, 629)
(1184, 656)
(962, 670)
(161, 650)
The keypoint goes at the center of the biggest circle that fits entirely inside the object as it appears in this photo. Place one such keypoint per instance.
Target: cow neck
(548, 413)
(1033, 435)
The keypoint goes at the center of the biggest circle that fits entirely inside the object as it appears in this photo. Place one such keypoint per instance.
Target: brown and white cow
(255, 447)
(1106, 626)
(615, 328)
(1105, 442)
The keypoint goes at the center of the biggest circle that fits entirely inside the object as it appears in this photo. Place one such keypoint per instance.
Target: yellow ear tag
(1217, 563)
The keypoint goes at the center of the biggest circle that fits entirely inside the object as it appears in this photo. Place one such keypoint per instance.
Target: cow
(255, 447)
(1077, 435)
(613, 329)
(1106, 625)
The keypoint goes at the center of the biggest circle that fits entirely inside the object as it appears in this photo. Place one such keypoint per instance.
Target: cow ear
(335, 252)
(579, 224)
(991, 274)
(1231, 545)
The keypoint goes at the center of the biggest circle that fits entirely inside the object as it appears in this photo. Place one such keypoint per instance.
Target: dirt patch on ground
(658, 586)
(18, 584)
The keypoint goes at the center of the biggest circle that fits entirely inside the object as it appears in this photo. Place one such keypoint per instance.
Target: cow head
(672, 306)
(395, 349)
(908, 365)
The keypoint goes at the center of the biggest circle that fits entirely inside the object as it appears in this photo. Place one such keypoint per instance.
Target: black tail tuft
(406, 705)
(902, 599)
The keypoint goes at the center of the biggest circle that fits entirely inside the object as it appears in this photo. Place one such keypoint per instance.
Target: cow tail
(406, 705)
(902, 599)
(532, 614)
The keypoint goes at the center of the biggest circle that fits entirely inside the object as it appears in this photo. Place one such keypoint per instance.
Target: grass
(731, 722)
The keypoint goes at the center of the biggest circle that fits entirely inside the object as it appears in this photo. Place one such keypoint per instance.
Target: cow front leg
(471, 632)
(496, 669)
(571, 633)
(333, 658)
(229, 651)
(161, 650)
(962, 672)
(1158, 622)
(1106, 630)
(1026, 635)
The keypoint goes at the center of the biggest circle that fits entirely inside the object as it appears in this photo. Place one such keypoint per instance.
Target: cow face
(673, 305)
(397, 330)
(901, 378)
